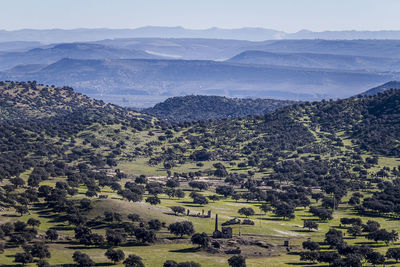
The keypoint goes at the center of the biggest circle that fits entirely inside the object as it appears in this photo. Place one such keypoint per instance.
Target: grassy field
(267, 228)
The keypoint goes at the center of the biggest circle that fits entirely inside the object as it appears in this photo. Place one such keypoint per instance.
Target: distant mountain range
(200, 107)
(203, 49)
(251, 34)
(366, 48)
(217, 49)
(143, 71)
(184, 48)
(117, 79)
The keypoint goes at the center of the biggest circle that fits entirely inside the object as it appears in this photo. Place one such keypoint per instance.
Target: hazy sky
(286, 15)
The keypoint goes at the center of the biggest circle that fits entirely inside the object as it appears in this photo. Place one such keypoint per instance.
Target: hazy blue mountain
(251, 34)
(383, 87)
(68, 50)
(123, 81)
(325, 61)
(202, 107)
(15, 46)
(375, 48)
(183, 48)
(344, 35)
(29, 68)
(216, 49)
(85, 35)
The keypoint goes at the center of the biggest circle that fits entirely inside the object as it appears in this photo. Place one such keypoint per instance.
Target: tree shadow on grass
(304, 264)
(53, 217)
(68, 242)
(11, 215)
(372, 244)
(175, 238)
(173, 214)
(62, 228)
(43, 211)
(134, 244)
(237, 202)
(273, 219)
(79, 247)
(193, 205)
(378, 215)
(104, 264)
(389, 262)
(303, 231)
(185, 250)
(8, 245)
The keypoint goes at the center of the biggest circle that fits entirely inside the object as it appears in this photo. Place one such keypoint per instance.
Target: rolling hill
(200, 107)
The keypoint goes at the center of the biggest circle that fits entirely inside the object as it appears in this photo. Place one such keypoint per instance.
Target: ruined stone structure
(225, 233)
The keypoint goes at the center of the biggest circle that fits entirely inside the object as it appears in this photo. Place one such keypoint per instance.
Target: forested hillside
(90, 183)
(201, 107)
(40, 122)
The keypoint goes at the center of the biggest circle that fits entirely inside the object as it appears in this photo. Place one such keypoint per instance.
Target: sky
(285, 15)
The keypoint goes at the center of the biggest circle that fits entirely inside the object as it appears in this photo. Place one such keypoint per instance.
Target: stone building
(226, 232)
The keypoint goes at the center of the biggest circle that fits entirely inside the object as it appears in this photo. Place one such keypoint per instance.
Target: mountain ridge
(316, 60)
(246, 33)
(48, 55)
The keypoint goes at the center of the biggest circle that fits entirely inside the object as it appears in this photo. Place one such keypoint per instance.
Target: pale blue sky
(286, 15)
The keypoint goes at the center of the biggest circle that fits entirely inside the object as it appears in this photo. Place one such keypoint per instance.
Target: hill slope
(200, 107)
(31, 101)
(382, 88)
